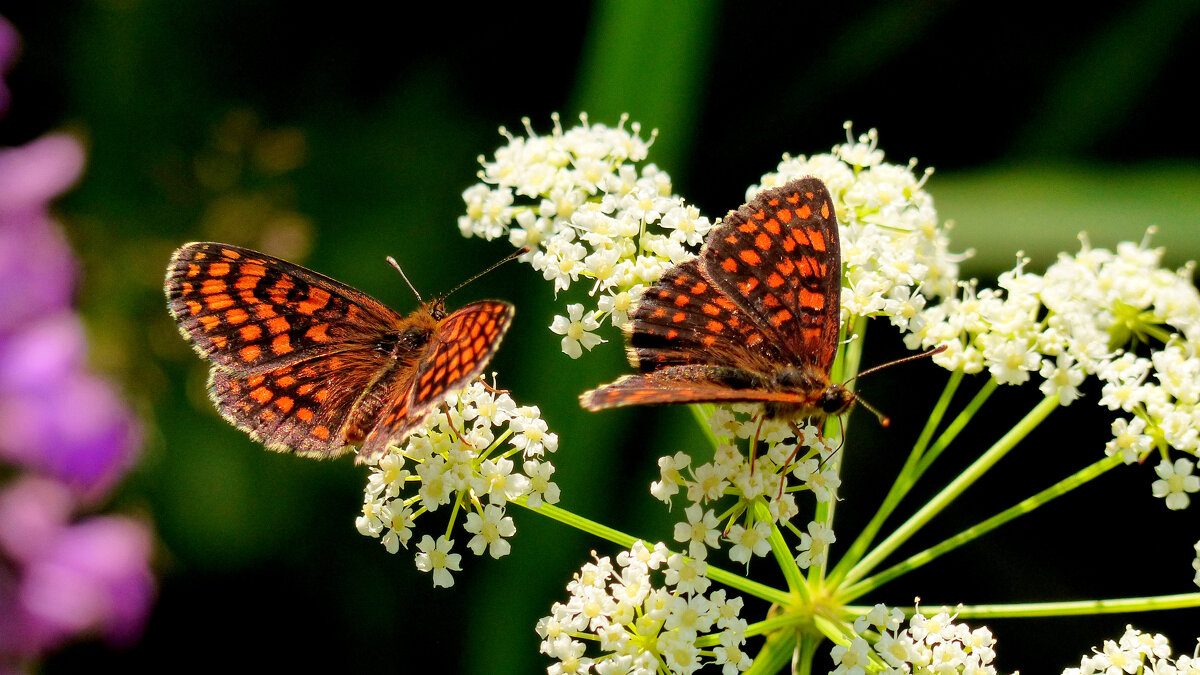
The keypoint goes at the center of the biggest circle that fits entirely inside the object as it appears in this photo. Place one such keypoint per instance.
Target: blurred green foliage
(336, 135)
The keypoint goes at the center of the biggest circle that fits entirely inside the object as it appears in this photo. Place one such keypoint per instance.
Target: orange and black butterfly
(753, 319)
(309, 365)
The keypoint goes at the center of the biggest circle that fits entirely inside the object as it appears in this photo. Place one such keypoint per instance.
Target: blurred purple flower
(62, 575)
(90, 577)
(37, 269)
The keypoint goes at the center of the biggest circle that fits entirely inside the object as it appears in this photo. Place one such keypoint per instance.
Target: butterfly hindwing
(684, 314)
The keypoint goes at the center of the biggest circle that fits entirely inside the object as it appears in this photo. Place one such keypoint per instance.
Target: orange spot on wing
(278, 325)
(763, 242)
(304, 415)
(250, 353)
(748, 226)
(715, 326)
(699, 288)
(250, 333)
(679, 316)
(210, 322)
(282, 344)
(825, 209)
(262, 395)
(320, 432)
(774, 281)
(318, 333)
(231, 254)
(710, 309)
(211, 286)
(681, 300)
(785, 215)
(810, 300)
(749, 256)
(804, 212)
(729, 265)
(779, 317)
(218, 269)
(285, 403)
(818, 239)
(236, 315)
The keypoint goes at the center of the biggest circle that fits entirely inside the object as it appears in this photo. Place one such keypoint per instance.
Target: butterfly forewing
(778, 257)
(251, 312)
(458, 351)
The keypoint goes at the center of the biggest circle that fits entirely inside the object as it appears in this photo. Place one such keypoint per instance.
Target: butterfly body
(306, 364)
(753, 319)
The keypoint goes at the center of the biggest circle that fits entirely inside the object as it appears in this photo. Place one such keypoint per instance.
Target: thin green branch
(1078, 607)
(905, 479)
(1025, 506)
(717, 574)
(957, 425)
(953, 490)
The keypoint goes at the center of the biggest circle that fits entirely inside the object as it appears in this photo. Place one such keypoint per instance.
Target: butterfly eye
(836, 400)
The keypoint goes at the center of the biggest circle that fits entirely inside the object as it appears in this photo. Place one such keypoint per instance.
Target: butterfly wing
(778, 258)
(248, 312)
(687, 384)
(303, 407)
(459, 349)
(685, 318)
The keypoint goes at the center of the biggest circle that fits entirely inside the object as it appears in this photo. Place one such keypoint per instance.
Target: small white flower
(749, 541)
(490, 529)
(701, 531)
(814, 545)
(1175, 482)
(437, 558)
(575, 328)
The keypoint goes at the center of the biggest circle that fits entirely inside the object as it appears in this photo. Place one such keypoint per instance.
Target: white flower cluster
(1092, 313)
(641, 625)
(1137, 652)
(927, 645)
(579, 200)
(893, 247)
(730, 475)
(462, 456)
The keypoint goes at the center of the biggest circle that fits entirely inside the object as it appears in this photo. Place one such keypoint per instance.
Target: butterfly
(753, 319)
(307, 364)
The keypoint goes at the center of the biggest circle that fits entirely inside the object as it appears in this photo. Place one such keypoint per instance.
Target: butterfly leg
(492, 389)
(754, 442)
(454, 430)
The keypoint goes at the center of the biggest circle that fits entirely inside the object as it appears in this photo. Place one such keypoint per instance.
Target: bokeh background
(335, 135)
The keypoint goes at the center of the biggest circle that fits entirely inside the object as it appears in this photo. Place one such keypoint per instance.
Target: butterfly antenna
(936, 350)
(395, 264)
(511, 256)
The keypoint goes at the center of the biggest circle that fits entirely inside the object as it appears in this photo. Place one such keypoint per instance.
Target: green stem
(703, 413)
(958, 424)
(953, 490)
(1078, 607)
(917, 560)
(901, 485)
(717, 574)
(775, 654)
(783, 555)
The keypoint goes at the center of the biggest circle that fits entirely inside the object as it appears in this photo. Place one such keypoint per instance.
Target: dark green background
(1039, 126)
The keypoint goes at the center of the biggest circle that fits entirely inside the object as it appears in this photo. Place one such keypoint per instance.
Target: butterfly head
(836, 400)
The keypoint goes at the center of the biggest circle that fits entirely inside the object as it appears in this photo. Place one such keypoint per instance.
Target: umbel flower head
(648, 613)
(465, 457)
